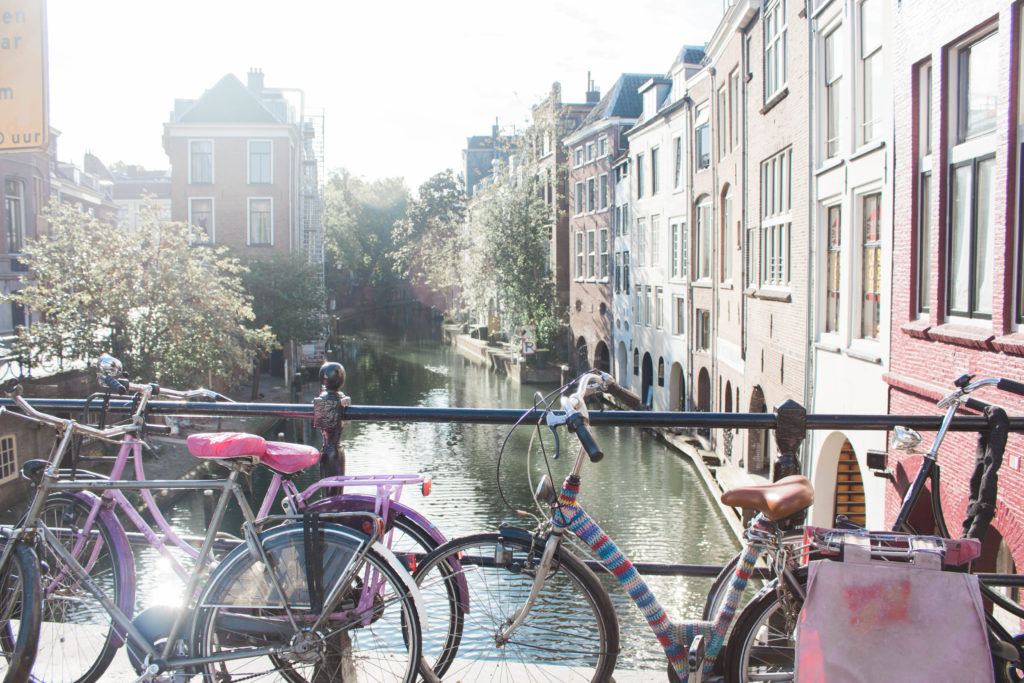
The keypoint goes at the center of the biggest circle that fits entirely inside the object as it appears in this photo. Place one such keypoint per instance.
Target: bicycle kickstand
(695, 660)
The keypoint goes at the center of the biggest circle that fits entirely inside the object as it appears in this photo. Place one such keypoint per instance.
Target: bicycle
(520, 580)
(305, 599)
(761, 646)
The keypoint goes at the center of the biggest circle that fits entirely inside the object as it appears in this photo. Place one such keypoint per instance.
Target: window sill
(772, 294)
(917, 328)
(867, 149)
(774, 100)
(703, 283)
(830, 347)
(725, 285)
(829, 165)
(962, 335)
(261, 245)
(865, 354)
(1012, 343)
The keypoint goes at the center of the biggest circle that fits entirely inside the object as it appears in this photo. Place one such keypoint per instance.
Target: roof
(229, 101)
(689, 54)
(623, 100)
(140, 187)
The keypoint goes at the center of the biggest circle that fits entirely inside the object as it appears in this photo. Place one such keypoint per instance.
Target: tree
(358, 218)
(171, 307)
(287, 298)
(430, 241)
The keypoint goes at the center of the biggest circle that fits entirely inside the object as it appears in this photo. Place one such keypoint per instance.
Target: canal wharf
(504, 359)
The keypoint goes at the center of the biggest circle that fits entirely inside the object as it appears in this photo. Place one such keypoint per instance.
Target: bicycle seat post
(328, 410)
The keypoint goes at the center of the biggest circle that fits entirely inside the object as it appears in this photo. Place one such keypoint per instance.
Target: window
(702, 247)
(618, 272)
(591, 254)
(579, 198)
(647, 305)
(625, 272)
(637, 309)
(833, 79)
(871, 266)
(703, 338)
(200, 162)
(723, 122)
(14, 213)
(641, 241)
(8, 458)
(924, 243)
(702, 142)
(775, 218)
(872, 76)
(591, 194)
(261, 156)
(661, 372)
(602, 182)
(655, 241)
(924, 103)
(625, 219)
(590, 151)
(579, 254)
(970, 246)
(833, 284)
(602, 147)
(200, 214)
(679, 315)
(617, 221)
(604, 253)
(578, 156)
(636, 361)
(654, 170)
(774, 47)
(726, 245)
(684, 249)
(659, 307)
(675, 269)
(734, 107)
(977, 88)
(751, 274)
(639, 175)
(677, 172)
(261, 221)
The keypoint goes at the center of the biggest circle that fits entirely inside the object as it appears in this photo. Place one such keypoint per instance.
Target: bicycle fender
(516, 533)
(406, 578)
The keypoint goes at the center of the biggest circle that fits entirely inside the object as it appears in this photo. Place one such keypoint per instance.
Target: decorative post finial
(328, 411)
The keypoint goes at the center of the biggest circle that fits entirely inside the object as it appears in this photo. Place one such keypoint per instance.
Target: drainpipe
(688, 194)
(716, 308)
(807, 456)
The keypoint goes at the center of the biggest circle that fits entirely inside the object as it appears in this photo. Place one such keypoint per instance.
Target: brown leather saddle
(775, 501)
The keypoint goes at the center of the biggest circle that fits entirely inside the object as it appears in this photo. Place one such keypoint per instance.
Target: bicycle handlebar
(578, 426)
(30, 413)
(625, 395)
(1011, 386)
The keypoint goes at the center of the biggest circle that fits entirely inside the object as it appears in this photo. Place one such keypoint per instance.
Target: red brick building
(956, 290)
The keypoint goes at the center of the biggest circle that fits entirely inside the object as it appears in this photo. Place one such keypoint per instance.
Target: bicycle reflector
(427, 484)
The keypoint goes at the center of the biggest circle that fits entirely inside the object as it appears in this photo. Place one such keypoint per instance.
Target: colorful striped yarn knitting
(675, 638)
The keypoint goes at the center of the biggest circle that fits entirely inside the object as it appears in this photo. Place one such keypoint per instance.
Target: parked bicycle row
(349, 582)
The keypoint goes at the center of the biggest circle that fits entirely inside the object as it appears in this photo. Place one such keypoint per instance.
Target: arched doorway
(758, 446)
(623, 369)
(703, 391)
(676, 388)
(728, 397)
(647, 381)
(849, 491)
(582, 358)
(602, 361)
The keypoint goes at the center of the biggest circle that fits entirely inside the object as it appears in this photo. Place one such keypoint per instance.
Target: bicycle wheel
(77, 633)
(571, 633)
(762, 646)
(19, 613)
(373, 634)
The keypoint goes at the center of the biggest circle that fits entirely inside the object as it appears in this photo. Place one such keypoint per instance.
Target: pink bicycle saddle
(286, 458)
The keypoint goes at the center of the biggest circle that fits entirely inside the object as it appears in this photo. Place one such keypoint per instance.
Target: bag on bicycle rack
(900, 618)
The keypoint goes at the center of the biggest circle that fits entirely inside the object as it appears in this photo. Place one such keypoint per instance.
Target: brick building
(481, 154)
(236, 165)
(592, 148)
(25, 189)
(957, 305)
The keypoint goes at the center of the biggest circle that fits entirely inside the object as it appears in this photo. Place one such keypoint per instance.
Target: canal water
(649, 499)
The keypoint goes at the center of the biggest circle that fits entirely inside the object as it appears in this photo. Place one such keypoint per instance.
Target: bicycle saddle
(286, 458)
(776, 501)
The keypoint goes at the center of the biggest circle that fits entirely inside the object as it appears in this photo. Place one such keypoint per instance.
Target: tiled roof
(229, 101)
(622, 100)
(690, 54)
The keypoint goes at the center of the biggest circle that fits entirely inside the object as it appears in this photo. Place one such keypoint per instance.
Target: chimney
(256, 80)
(494, 129)
(593, 94)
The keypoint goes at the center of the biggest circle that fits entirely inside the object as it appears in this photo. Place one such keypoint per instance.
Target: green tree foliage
(358, 218)
(430, 241)
(286, 296)
(171, 308)
(509, 252)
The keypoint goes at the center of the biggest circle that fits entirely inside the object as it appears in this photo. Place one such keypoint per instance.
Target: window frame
(679, 315)
(212, 232)
(832, 84)
(659, 308)
(725, 220)
(579, 241)
(776, 219)
(639, 174)
(655, 242)
(922, 247)
(12, 468)
(837, 249)
(863, 244)
(971, 313)
(15, 222)
(591, 254)
(213, 162)
(655, 180)
(248, 222)
(591, 194)
(702, 265)
(602, 183)
(722, 109)
(774, 16)
(602, 254)
(249, 167)
(735, 110)
(580, 199)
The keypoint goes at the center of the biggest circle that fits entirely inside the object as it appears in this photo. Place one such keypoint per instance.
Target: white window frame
(679, 161)
(591, 254)
(735, 115)
(18, 220)
(726, 228)
(655, 179)
(678, 315)
(602, 146)
(602, 184)
(8, 458)
(580, 198)
(577, 157)
(590, 152)
(776, 219)
(641, 241)
(773, 63)
(603, 247)
(213, 215)
(248, 222)
(703, 265)
(865, 119)
(655, 241)
(248, 161)
(858, 252)
(639, 174)
(722, 107)
(842, 288)
(580, 240)
(830, 82)
(659, 307)
(591, 194)
(213, 160)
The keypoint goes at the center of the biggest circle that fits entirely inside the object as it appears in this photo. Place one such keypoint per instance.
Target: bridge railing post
(328, 411)
(790, 432)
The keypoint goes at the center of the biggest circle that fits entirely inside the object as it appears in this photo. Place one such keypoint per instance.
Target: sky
(402, 84)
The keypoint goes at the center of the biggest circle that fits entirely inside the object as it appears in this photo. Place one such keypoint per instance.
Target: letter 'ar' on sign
(24, 100)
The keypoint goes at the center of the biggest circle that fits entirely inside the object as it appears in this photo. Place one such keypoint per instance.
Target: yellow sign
(24, 115)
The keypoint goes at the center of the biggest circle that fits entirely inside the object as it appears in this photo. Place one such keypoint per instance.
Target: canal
(649, 499)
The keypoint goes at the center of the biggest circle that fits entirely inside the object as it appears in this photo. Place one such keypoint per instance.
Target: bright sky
(402, 82)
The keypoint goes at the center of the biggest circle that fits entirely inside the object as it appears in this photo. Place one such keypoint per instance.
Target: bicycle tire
(545, 637)
(20, 588)
(71, 616)
(241, 580)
